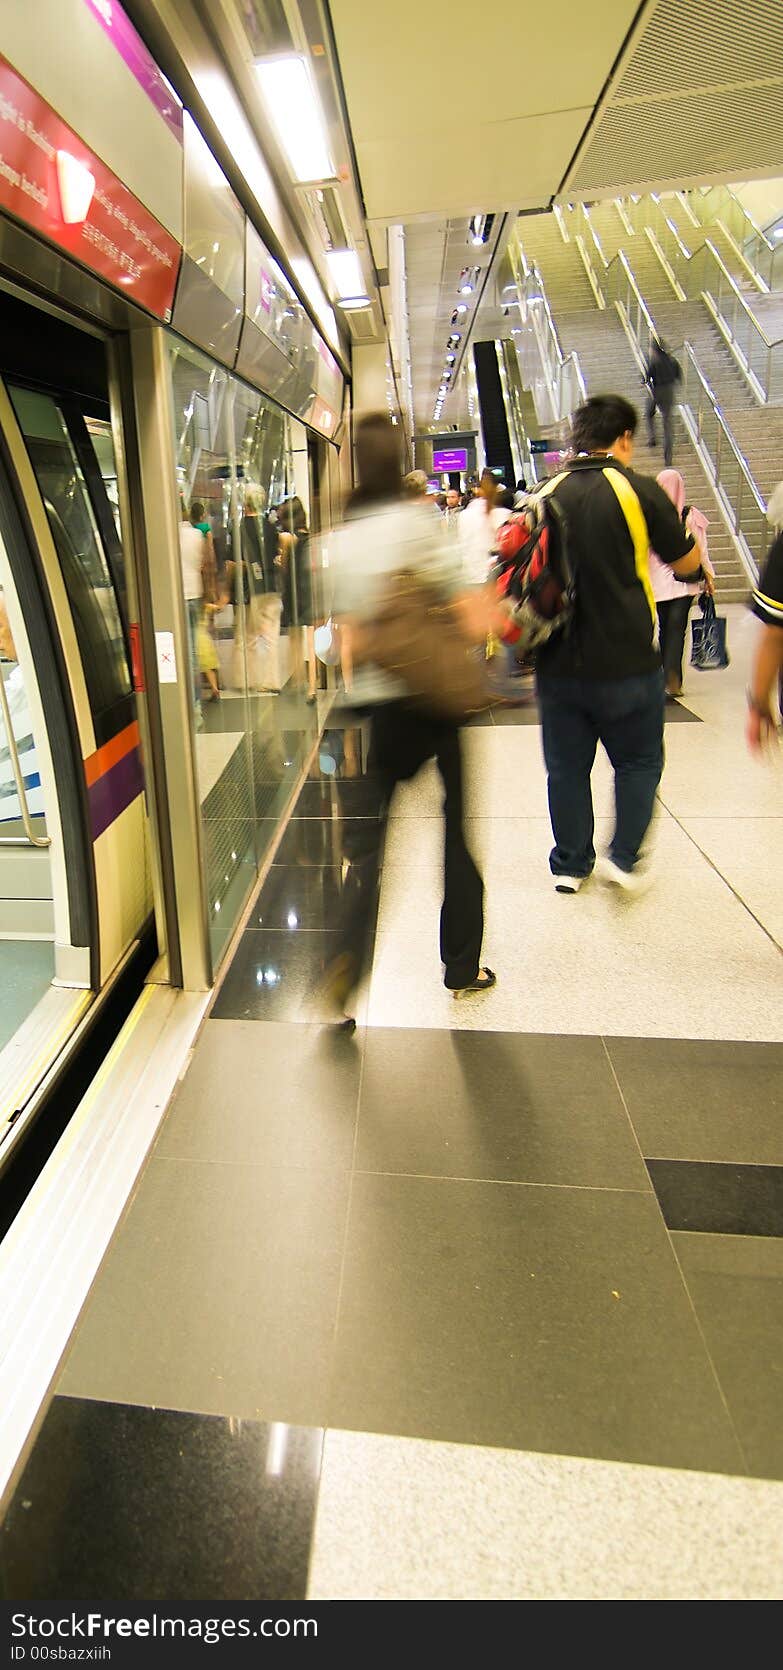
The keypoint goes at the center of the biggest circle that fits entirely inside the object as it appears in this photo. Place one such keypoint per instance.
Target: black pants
(626, 715)
(401, 742)
(673, 623)
(662, 400)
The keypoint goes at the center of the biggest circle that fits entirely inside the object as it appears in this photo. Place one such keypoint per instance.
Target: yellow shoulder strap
(637, 528)
(549, 486)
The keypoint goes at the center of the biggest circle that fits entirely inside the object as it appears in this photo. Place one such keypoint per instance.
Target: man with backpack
(662, 374)
(599, 672)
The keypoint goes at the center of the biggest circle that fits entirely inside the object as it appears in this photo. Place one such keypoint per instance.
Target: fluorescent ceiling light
(293, 106)
(345, 271)
(354, 304)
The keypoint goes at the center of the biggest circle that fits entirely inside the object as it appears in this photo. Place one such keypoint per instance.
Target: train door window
(103, 445)
(82, 558)
(27, 963)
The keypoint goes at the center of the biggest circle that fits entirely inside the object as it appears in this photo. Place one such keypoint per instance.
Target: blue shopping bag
(708, 638)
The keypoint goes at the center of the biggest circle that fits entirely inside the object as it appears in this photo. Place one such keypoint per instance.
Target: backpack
(533, 574)
(664, 371)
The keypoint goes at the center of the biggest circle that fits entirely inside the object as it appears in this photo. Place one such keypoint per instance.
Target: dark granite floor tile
(719, 1199)
(533, 1318)
(703, 1099)
(675, 713)
(342, 797)
(125, 1504)
(299, 898)
(513, 1106)
(736, 1284)
(218, 1294)
(275, 976)
(308, 841)
(526, 713)
(281, 1094)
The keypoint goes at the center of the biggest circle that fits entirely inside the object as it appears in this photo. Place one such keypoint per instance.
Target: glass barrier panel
(215, 604)
(279, 558)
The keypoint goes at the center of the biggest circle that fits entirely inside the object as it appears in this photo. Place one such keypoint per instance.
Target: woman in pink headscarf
(674, 597)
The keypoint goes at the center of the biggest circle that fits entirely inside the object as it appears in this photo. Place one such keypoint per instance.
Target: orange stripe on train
(96, 765)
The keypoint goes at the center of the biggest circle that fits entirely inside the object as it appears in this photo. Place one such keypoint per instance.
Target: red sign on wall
(55, 184)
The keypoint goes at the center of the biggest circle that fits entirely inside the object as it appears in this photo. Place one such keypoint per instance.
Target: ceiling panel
(511, 164)
(412, 68)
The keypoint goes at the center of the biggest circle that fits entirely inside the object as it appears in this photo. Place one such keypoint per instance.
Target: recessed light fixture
(291, 100)
(345, 271)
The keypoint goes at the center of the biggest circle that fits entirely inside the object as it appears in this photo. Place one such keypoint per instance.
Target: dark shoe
(336, 991)
(484, 981)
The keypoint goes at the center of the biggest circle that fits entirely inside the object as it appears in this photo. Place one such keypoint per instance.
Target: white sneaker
(568, 884)
(634, 882)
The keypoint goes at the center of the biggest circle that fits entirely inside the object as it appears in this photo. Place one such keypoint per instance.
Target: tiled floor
(518, 1259)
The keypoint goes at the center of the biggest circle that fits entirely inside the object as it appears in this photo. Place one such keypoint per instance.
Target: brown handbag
(417, 636)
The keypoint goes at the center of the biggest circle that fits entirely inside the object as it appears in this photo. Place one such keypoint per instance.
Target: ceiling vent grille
(363, 324)
(699, 97)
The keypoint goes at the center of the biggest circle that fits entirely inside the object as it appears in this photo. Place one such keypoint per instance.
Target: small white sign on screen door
(167, 660)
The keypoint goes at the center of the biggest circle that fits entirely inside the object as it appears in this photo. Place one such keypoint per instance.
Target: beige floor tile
(402, 1519)
(687, 960)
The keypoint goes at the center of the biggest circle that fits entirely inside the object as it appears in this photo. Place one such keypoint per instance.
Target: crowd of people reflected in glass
(253, 508)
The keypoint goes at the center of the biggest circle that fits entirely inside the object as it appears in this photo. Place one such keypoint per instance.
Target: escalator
(494, 421)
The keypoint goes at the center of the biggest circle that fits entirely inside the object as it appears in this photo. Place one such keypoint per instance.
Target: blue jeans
(626, 715)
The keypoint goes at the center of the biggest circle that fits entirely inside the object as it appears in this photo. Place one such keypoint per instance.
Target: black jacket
(613, 633)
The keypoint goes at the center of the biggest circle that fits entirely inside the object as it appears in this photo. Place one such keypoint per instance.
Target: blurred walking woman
(673, 597)
(383, 534)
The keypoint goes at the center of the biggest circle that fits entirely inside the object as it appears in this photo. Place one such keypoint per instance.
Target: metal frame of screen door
(161, 580)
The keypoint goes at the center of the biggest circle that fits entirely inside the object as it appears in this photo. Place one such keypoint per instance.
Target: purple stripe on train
(140, 62)
(115, 790)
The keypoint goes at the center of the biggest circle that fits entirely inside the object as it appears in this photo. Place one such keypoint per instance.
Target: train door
(75, 873)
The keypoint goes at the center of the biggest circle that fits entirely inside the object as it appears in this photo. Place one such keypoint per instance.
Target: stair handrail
(745, 507)
(730, 207)
(702, 271)
(744, 510)
(561, 373)
(764, 257)
(622, 284)
(759, 358)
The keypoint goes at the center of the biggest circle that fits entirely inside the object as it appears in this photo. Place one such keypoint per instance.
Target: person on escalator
(662, 374)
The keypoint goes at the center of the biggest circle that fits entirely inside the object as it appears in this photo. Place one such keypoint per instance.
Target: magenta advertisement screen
(454, 460)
